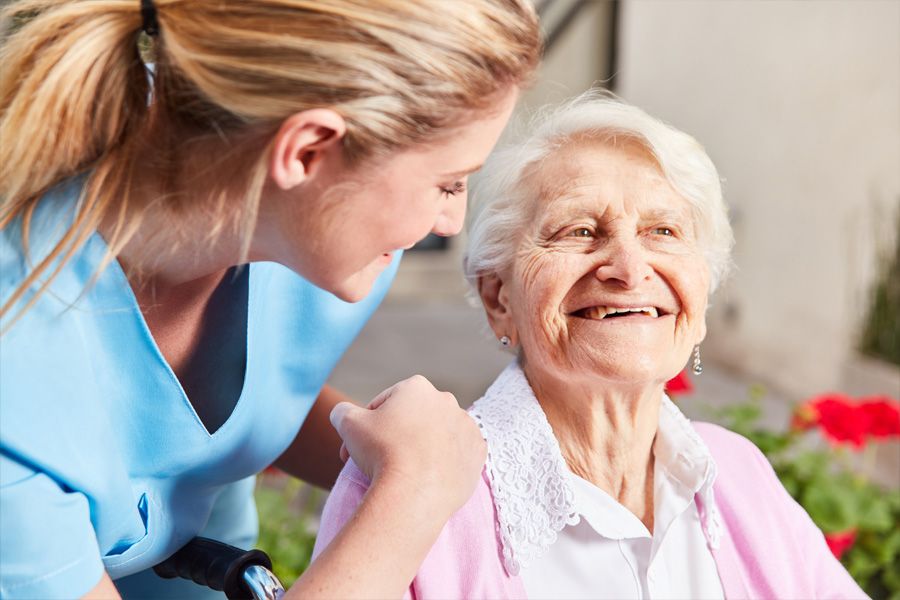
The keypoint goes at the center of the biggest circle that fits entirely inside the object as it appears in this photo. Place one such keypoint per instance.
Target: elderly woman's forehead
(588, 144)
(572, 156)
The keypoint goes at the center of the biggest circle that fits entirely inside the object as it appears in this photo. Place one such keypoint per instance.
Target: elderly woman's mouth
(597, 313)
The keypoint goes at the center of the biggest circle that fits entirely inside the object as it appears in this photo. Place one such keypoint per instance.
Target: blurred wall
(798, 103)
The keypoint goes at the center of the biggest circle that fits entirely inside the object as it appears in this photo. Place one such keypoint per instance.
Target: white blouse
(567, 538)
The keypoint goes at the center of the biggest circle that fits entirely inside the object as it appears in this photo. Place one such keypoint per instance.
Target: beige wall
(798, 103)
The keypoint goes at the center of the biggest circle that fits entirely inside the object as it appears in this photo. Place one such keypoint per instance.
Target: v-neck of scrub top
(152, 347)
(94, 408)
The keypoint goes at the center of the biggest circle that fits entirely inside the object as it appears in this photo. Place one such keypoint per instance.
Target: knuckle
(449, 399)
(418, 380)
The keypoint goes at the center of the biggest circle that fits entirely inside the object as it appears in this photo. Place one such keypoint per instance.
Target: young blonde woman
(184, 258)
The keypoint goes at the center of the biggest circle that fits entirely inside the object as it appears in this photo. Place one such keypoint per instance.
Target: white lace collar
(529, 477)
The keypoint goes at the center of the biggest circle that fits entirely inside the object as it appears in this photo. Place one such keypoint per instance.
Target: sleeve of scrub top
(48, 549)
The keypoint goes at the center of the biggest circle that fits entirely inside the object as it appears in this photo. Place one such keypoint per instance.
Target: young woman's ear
(495, 298)
(302, 141)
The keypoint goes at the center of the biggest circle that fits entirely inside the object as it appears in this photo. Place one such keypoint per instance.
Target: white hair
(500, 201)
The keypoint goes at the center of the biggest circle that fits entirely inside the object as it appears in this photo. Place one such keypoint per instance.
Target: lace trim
(528, 474)
(526, 469)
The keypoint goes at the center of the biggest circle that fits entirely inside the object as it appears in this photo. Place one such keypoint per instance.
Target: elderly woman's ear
(495, 298)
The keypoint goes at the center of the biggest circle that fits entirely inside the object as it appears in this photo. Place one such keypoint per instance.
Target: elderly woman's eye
(582, 232)
(664, 231)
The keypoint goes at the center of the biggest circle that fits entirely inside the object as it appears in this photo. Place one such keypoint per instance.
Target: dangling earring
(505, 341)
(698, 366)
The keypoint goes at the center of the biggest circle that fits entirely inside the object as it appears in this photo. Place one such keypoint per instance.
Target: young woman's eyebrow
(463, 173)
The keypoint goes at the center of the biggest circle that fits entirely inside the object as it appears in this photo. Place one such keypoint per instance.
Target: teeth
(595, 312)
(600, 312)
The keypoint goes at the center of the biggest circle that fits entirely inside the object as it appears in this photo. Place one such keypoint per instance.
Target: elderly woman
(594, 246)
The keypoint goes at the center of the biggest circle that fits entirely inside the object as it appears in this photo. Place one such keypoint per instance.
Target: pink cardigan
(770, 548)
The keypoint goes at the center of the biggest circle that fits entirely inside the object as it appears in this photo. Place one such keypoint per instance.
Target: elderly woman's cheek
(541, 291)
(691, 283)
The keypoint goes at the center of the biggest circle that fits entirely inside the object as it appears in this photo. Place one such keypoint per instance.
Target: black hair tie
(150, 25)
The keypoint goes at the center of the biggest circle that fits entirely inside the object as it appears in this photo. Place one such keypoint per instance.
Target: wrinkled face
(349, 224)
(609, 279)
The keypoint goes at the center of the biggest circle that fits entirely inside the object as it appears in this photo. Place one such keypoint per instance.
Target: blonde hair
(75, 95)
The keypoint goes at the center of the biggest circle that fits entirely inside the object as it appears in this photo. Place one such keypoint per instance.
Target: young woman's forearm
(378, 552)
(423, 455)
(104, 590)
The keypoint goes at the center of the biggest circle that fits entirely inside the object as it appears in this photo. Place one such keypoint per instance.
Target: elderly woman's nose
(450, 220)
(623, 262)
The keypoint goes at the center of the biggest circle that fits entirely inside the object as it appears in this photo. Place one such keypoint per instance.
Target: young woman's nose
(623, 261)
(450, 220)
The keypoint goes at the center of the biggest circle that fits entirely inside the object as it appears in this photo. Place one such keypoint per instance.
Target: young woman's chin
(358, 285)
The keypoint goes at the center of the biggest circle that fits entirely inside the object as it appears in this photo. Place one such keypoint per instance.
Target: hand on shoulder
(416, 438)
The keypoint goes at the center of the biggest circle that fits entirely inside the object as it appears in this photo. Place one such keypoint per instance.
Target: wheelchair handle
(241, 574)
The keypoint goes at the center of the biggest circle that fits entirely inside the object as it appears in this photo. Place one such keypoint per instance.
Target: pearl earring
(505, 341)
(698, 366)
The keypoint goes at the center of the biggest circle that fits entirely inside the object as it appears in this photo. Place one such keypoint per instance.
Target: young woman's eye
(458, 187)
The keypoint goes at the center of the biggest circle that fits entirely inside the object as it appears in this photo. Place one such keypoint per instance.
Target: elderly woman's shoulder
(728, 447)
(742, 470)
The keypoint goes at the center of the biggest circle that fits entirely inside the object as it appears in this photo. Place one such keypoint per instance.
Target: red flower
(844, 421)
(883, 415)
(680, 384)
(805, 417)
(840, 542)
(840, 419)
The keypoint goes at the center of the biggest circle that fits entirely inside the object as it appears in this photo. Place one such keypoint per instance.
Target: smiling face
(609, 280)
(345, 228)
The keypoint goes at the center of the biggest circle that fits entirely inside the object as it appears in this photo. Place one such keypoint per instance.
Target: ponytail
(73, 94)
(73, 80)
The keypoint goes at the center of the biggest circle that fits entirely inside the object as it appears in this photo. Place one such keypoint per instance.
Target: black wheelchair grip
(215, 565)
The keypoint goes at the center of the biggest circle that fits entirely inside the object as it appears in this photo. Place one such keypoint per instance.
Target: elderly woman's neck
(606, 435)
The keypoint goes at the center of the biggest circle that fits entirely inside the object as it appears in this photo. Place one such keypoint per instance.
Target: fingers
(339, 418)
(380, 398)
(416, 381)
(339, 415)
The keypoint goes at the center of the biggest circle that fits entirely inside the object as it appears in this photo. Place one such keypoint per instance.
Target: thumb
(341, 412)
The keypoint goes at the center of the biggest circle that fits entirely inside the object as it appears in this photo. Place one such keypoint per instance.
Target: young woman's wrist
(420, 494)
(380, 548)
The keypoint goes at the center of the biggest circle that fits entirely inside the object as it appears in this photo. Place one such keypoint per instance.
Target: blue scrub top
(103, 462)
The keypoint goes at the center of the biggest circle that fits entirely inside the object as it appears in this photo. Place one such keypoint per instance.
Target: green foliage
(881, 333)
(835, 493)
(288, 520)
